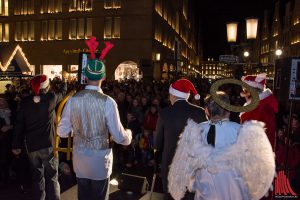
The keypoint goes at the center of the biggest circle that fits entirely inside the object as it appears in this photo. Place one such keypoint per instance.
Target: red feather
(108, 46)
(92, 44)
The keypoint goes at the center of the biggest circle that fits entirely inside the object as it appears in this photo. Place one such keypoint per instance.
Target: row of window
(53, 29)
(26, 7)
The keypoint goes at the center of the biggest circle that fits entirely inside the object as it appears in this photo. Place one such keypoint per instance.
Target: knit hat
(182, 87)
(95, 69)
(39, 82)
(258, 81)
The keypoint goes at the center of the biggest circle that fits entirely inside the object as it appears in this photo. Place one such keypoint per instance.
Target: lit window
(1, 33)
(185, 8)
(51, 6)
(51, 31)
(4, 7)
(80, 5)
(73, 29)
(25, 31)
(58, 30)
(89, 28)
(31, 31)
(44, 35)
(6, 33)
(112, 4)
(80, 28)
(108, 27)
(58, 6)
(18, 31)
(158, 7)
(116, 31)
(80, 34)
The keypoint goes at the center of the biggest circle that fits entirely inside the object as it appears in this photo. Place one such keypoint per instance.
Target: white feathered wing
(251, 156)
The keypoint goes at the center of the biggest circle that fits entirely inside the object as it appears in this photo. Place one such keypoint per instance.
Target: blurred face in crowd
(295, 122)
(155, 102)
(121, 96)
(130, 117)
(135, 102)
(144, 101)
(153, 109)
(129, 98)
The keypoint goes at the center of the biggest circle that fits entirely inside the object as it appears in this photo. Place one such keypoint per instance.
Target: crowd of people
(139, 105)
(217, 146)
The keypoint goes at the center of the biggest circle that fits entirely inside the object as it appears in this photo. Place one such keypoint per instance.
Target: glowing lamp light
(231, 31)
(251, 27)
(246, 54)
(157, 57)
(278, 52)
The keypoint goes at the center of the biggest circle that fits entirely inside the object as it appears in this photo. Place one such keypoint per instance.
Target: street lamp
(278, 52)
(251, 28)
(246, 54)
(251, 33)
(231, 31)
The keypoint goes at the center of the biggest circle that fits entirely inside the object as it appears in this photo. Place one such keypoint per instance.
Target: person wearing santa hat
(171, 122)
(93, 118)
(267, 107)
(34, 127)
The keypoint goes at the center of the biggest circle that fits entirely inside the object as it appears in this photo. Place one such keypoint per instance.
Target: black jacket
(170, 125)
(35, 122)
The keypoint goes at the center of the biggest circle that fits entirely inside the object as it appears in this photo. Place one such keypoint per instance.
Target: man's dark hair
(213, 108)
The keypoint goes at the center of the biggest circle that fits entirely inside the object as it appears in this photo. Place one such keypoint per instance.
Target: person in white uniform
(91, 116)
(219, 159)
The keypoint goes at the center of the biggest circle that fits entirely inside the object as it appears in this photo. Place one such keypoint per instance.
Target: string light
(18, 48)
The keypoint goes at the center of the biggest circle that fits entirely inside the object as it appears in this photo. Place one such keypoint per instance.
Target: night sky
(215, 13)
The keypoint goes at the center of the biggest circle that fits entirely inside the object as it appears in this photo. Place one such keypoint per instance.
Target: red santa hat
(39, 82)
(182, 87)
(258, 81)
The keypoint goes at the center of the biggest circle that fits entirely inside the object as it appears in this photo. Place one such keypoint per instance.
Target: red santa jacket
(265, 112)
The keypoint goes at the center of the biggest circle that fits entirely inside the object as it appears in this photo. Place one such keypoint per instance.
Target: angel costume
(239, 166)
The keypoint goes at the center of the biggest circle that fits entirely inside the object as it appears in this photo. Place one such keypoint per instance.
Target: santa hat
(258, 81)
(182, 87)
(39, 82)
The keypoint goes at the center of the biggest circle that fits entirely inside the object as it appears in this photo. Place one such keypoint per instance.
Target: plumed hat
(95, 69)
(182, 87)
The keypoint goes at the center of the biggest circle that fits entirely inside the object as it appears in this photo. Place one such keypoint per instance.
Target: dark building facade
(151, 37)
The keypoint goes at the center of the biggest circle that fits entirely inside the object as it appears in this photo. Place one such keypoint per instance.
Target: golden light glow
(157, 56)
(231, 31)
(18, 48)
(251, 26)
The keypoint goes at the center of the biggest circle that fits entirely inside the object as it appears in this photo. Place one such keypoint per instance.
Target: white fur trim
(197, 96)
(36, 99)
(255, 84)
(261, 77)
(177, 93)
(45, 83)
(267, 92)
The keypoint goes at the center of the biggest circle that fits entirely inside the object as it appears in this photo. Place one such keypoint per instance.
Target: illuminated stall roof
(8, 53)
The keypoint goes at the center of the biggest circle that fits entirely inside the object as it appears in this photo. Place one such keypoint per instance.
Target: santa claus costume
(267, 108)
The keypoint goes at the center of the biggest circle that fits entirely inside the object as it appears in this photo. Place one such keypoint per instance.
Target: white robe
(240, 166)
